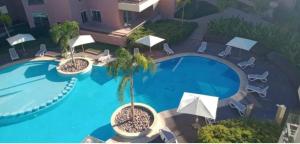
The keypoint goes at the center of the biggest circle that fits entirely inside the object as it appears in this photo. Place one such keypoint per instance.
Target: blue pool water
(87, 109)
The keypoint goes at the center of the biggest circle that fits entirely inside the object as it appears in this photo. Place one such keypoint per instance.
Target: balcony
(136, 5)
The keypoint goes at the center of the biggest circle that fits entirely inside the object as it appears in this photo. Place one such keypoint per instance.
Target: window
(40, 19)
(84, 17)
(96, 16)
(35, 2)
(3, 10)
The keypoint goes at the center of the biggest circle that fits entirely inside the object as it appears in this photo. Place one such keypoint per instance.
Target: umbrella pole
(23, 47)
(150, 50)
(82, 48)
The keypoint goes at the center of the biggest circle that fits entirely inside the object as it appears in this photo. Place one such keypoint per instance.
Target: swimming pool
(87, 109)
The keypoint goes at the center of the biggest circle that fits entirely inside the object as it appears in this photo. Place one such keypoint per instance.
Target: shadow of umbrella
(103, 133)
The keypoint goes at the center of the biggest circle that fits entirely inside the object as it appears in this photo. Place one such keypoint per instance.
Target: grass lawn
(197, 9)
(171, 30)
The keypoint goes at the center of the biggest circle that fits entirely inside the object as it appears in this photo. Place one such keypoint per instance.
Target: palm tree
(128, 64)
(62, 33)
(6, 21)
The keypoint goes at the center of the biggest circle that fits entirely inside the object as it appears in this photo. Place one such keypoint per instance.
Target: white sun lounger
(202, 47)
(247, 63)
(261, 77)
(42, 51)
(262, 92)
(210, 121)
(13, 54)
(136, 51)
(241, 108)
(226, 52)
(167, 49)
(167, 135)
(104, 57)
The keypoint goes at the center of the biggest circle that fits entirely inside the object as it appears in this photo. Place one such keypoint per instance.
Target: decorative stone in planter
(144, 122)
(66, 68)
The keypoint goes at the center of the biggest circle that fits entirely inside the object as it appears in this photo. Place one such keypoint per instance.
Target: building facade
(14, 8)
(108, 21)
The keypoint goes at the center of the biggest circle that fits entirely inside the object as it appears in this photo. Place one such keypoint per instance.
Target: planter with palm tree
(61, 34)
(134, 119)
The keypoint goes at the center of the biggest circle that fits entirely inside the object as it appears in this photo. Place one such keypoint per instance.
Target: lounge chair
(167, 135)
(167, 49)
(13, 54)
(262, 77)
(210, 121)
(104, 57)
(241, 108)
(136, 51)
(262, 92)
(247, 63)
(226, 52)
(42, 51)
(202, 48)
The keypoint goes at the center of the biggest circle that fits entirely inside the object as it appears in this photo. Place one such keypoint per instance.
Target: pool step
(178, 63)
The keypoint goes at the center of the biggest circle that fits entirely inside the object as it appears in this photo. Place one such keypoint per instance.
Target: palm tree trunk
(6, 30)
(132, 97)
(72, 57)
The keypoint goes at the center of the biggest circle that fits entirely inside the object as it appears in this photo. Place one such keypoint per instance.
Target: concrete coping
(145, 136)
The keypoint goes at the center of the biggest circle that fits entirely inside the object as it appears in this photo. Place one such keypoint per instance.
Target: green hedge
(268, 37)
(240, 131)
(171, 30)
(196, 9)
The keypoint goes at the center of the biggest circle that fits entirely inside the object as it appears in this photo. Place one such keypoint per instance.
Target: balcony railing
(136, 5)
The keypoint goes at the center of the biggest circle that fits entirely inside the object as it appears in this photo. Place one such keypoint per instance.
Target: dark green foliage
(196, 9)
(171, 30)
(240, 131)
(269, 37)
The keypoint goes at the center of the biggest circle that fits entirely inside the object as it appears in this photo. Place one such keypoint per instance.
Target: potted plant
(133, 119)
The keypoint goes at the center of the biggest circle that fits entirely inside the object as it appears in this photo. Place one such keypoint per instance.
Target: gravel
(142, 120)
(69, 67)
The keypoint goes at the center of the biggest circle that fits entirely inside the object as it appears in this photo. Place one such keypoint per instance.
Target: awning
(149, 41)
(81, 40)
(242, 43)
(20, 38)
(198, 104)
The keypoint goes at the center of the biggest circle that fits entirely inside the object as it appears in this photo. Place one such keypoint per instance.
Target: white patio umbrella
(20, 39)
(242, 43)
(199, 105)
(149, 41)
(81, 40)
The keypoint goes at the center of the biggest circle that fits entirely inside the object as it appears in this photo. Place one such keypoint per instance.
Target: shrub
(196, 9)
(240, 131)
(171, 30)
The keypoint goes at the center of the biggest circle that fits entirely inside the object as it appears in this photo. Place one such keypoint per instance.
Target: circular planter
(71, 74)
(128, 135)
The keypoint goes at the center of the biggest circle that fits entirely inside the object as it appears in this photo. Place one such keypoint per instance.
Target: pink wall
(167, 8)
(57, 10)
(111, 16)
